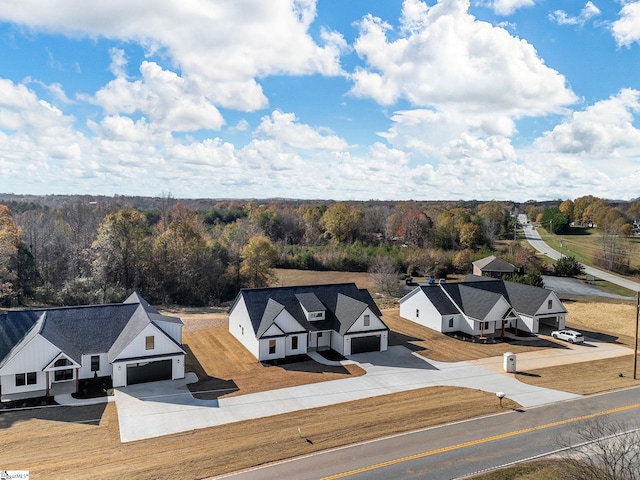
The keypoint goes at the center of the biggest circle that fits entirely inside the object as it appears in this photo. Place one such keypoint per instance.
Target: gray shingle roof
(79, 330)
(525, 299)
(494, 264)
(475, 303)
(343, 303)
(446, 298)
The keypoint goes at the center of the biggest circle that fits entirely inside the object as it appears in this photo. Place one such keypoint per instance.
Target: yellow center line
(479, 442)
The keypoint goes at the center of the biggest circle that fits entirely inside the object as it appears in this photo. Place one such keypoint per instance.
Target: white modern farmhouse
(274, 323)
(46, 351)
(482, 306)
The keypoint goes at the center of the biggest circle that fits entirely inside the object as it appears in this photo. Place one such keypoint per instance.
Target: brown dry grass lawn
(51, 446)
(225, 367)
(616, 320)
(288, 277)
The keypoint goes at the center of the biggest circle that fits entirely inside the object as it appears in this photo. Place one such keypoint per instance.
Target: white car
(570, 336)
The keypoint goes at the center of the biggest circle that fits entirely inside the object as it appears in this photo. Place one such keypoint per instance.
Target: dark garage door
(151, 372)
(365, 344)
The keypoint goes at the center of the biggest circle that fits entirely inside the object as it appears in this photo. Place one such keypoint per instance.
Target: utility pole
(635, 351)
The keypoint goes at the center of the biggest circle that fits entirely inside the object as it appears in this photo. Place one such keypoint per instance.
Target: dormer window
(316, 316)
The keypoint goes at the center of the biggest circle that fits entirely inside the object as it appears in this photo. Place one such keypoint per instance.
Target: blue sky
(328, 99)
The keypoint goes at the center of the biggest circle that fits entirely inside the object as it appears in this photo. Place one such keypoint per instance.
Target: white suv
(570, 336)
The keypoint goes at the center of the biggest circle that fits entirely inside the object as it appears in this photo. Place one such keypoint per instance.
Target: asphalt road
(535, 240)
(459, 449)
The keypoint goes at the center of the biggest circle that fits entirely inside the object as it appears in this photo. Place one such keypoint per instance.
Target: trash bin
(509, 362)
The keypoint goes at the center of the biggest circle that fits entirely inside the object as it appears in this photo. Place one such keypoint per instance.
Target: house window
(32, 378)
(20, 379)
(549, 304)
(62, 362)
(95, 363)
(319, 334)
(62, 375)
(272, 347)
(486, 325)
(417, 312)
(451, 323)
(367, 320)
(294, 343)
(149, 342)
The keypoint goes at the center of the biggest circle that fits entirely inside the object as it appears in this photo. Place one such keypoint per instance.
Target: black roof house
(342, 305)
(80, 330)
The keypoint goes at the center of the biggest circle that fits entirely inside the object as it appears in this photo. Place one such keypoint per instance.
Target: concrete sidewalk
(162, 408)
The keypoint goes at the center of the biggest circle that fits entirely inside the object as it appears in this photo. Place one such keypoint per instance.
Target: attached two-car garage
(149, 371)
(370, 343)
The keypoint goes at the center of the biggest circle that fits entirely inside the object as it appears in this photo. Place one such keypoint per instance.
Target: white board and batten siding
(240, 327)
(161, 344)
(415, 306)
(85, 369)
(31, 356)
(280, 350)
(338, 343)
(173, 329)
(553, 307)
(163, 348)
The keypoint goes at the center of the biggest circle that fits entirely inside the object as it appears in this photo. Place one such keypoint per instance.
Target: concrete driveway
(162, 408)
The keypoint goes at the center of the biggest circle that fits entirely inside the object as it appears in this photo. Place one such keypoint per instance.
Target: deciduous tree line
(85, 251)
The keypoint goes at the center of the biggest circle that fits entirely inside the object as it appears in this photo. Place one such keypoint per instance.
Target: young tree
(568, 267)
(385, 275)
(258, 258)
(607, 450)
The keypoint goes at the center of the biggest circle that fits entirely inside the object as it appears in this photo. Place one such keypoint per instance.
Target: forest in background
(79, 249)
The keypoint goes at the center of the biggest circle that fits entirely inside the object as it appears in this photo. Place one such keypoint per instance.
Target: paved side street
(162, 408)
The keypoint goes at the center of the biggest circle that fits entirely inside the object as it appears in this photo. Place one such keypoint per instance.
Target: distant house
(493, 266)
(47, 351)
(482, 306)
(279, 322)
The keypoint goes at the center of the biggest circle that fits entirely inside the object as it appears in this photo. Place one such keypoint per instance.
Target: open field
(287, 277)
(586, 243)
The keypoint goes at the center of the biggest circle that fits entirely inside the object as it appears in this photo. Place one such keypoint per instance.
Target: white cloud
(601, 129)
(283, 127)
(626, 30)
(447, 59)
(508, 7)
(118, 62)
(587, 13)
(163, 96)
(220, 48)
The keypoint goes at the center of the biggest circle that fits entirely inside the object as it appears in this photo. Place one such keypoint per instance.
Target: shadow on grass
(302, 363)
(85, 415)
(406, 341)
(207, 387)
